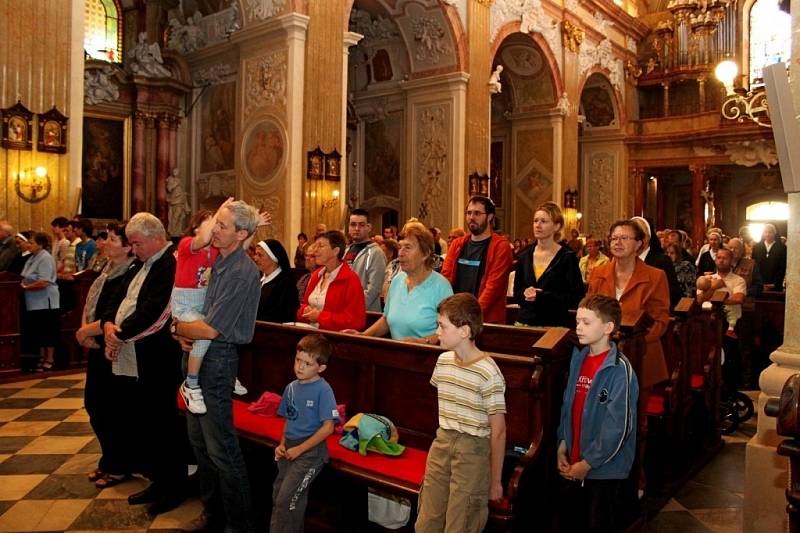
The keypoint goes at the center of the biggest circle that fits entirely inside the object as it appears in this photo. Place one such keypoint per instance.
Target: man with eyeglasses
(479, 263)
(365, 258)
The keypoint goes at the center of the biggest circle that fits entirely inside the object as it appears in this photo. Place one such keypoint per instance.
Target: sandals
(110, 480)
(94, 476)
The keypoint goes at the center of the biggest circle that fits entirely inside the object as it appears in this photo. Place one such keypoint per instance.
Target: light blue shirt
(41, 266)
(413, 314)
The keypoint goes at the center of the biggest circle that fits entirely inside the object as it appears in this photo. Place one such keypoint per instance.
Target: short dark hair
(463, 309)
(336, 240)
(197, 218)
(317, 346)
(487, 202)
(303, 236)
(87, 227)
(360, 212)
(606, 307)
(725, 249)
(60, 222)
(101, 235)
(119, 230)
(42, 239)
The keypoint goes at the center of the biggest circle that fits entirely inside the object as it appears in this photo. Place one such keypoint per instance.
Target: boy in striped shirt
(465, 462)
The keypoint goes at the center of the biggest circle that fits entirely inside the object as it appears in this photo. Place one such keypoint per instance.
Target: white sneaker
(239, 389)
(194, 399)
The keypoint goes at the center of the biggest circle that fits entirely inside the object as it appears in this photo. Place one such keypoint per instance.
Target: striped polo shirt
(468, 394)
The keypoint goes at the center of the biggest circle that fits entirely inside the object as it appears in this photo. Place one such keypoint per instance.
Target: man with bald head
(8, 246)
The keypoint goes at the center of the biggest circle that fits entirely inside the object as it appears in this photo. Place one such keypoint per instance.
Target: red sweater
(494, 283)
(344, 302)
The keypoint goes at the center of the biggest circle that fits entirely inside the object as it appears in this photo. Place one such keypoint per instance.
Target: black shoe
(148, 495)
(164, 505)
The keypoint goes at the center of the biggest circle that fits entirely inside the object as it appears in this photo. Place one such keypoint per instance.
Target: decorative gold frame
(17, 127)
(52, 132)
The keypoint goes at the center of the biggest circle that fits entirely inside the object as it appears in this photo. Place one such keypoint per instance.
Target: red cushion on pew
(697, 381)
(655, 406)
(503, 504)
(270, 427)
(408, 467)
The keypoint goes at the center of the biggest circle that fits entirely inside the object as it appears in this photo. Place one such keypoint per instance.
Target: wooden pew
(392, 378)
(10, 307)
(74, 355)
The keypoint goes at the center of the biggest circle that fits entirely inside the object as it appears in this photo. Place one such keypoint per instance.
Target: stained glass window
(103, 36)
(770, 38)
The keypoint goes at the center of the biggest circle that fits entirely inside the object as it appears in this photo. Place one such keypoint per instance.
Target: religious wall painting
(104, 167)
(383, 146)
(522, 60)
(217, 113)
(263, 151)
(535, 186)
(17, 127)
(528, 75)
(52, 132)
(213, 189)
(598, 107)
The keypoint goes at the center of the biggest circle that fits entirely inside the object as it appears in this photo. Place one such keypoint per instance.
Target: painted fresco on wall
(535, 187)
(382, 148)
(529, 76)
(597, 107)
(264, 148)
(213, 189)
(102, 168)
(217, 110)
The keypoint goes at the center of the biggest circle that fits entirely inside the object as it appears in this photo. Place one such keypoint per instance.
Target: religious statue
(98, 87)
(178, 202)
(146, 59)
(563, 105)
(651, 65)
(234, 19)
(495, 87)
(186, 38)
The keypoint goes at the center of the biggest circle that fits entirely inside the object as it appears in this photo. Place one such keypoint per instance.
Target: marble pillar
(163, 168)
(139, 152)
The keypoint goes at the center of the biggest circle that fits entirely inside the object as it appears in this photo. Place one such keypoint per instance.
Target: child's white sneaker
(193, 399)
(239, 389)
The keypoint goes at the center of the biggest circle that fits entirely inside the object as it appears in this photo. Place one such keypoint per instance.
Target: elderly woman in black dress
(279, 298)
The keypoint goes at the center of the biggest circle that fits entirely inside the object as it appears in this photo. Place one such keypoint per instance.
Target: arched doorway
(525, 136)
(602, 155)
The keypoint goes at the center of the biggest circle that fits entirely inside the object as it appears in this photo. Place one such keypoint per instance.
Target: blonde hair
(555, 214)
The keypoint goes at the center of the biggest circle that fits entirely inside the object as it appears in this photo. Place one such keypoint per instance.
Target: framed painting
(263, 151)
(217, 112)
(52, 132)
(106, 167)
(17, 127)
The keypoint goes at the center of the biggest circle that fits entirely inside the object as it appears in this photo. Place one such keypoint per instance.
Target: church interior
(308, 109)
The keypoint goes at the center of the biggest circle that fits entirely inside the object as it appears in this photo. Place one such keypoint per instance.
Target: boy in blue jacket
(597, 432)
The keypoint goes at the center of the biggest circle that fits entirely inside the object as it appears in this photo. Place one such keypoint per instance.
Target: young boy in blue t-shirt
(597, 434)
(309, 407)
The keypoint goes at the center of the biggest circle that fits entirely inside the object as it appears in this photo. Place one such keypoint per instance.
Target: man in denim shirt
(230, 311)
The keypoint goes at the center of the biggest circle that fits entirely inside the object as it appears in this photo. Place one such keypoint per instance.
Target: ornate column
(766, 473)
(163, 167)
(478, 96)
(665, 85)
(173, 142)
(139, 153)
(701, 89)
(698, 204)
(639, 190)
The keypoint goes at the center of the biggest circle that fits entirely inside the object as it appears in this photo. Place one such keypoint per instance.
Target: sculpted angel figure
(147, 60)
(495, 87)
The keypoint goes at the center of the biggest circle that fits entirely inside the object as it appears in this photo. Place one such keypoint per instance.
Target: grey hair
(145, 224)
(245, 216)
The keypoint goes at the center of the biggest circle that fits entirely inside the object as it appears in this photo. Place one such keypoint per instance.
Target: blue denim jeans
(221, 467)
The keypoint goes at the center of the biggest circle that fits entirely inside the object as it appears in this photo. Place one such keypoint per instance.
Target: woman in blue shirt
(415, 292)
(41, 299)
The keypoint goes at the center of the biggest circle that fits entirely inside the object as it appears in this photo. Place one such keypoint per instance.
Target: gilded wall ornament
(433, 148)
(266, 81)
(571, 36)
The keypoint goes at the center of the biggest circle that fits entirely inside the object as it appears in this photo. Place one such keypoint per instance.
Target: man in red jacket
(480, 261)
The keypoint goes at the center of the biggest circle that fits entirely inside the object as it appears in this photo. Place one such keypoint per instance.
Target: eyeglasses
(475, 213)
(621, 238)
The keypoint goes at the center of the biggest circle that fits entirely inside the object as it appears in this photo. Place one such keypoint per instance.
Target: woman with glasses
(547, 281)
(637, 287)
(334, 298)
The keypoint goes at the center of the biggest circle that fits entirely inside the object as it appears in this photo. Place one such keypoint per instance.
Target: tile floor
(47, 447)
